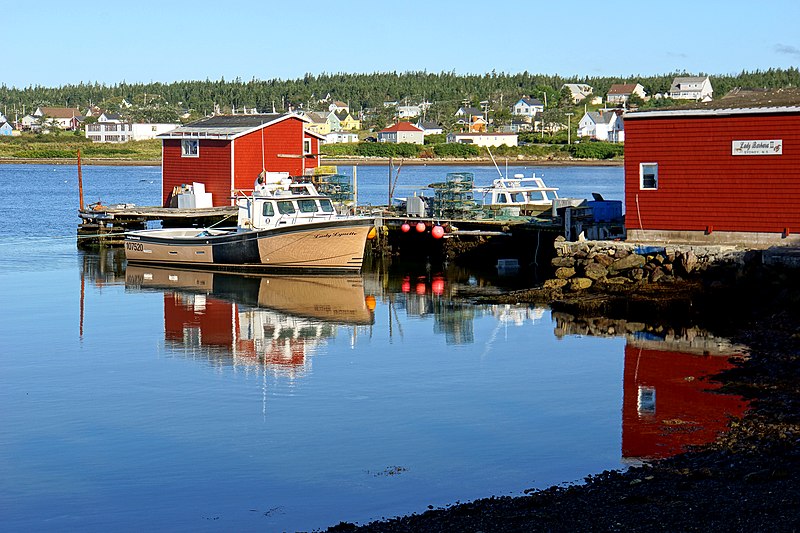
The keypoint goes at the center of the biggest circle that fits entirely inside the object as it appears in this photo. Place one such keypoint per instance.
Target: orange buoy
(370, 301)
(372, 233)
(421, 288)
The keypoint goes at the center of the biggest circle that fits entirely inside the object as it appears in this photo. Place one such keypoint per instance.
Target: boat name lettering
(335, 234)
(135, 246)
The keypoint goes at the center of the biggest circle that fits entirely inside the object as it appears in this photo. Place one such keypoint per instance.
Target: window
(326, 206)
(648, 176)
(190, 148)
(307, 206)
(306, 146)
(285, 207)
(268, 210)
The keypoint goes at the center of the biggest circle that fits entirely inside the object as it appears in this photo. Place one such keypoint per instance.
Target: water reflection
(669, 402)
(270, 320)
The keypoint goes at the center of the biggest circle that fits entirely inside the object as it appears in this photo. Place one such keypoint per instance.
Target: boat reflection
(270, 320)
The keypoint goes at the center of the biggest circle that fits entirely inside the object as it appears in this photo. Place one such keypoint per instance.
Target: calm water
(143, 397)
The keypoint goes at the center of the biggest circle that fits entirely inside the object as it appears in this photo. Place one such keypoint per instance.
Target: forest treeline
(446, 91)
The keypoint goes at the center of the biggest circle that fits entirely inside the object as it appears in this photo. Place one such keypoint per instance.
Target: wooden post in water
(80, 180)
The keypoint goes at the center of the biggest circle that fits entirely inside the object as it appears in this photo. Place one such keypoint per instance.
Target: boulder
(563, 261)
(603, 259)
(657, 275)
(553, 284)
(595, 271)
(688, 261)
(628, 262)
(579, 284)
(564, 272)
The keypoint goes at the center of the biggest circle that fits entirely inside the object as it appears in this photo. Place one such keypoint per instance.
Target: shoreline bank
(376, 161)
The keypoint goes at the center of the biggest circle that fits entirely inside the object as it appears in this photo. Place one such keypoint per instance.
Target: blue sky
(58, 42)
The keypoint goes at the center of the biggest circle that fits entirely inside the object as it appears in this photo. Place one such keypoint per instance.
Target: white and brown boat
(282, 225)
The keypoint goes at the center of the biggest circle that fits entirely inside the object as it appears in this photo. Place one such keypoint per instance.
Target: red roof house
(227, 152)
(714, 175)
(402, 132)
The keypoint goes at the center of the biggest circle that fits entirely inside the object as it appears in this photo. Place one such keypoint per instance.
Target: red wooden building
(227, 152)
(714, 175)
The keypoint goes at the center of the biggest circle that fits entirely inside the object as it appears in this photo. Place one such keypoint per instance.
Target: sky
(60, 42)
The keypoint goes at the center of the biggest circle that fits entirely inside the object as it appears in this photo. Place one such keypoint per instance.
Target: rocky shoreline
(747, 480)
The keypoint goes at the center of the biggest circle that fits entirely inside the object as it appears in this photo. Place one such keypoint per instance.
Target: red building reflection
(669, 403)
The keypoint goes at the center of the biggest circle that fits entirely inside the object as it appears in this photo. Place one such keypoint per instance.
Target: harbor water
(139, 397)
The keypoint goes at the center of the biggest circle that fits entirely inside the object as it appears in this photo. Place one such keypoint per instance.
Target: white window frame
(306, 146)
(642, 167)
(186, 150)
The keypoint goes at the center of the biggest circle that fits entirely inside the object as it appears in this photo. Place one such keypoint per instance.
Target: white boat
(281, 225)
(527, 196)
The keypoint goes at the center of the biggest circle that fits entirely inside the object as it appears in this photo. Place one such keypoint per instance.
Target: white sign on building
(769, 147)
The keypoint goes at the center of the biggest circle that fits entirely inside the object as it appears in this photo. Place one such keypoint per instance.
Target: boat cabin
(277, 201)
(526, 194)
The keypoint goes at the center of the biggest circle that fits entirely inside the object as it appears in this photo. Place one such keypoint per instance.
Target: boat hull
(333, 245)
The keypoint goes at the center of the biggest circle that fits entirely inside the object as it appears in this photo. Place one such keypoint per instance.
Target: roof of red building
(401, 126)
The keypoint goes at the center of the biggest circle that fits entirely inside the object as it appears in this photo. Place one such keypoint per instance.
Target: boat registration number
(134, 246)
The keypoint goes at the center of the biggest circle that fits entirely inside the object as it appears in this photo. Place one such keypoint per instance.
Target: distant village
(334, 123)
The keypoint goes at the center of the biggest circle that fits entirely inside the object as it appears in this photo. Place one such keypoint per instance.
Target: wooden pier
(105, 225)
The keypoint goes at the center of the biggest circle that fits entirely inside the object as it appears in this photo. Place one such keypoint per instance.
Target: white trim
(712, 112)
(185, 152)
(641, 176)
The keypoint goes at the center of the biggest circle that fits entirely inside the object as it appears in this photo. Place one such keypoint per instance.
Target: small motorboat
(518, 195)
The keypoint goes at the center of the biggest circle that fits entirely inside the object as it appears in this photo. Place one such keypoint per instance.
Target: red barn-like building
(227, 152)
(715, 175)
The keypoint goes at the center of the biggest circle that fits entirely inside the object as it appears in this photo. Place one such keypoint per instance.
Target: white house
(402, 132)
(408, 111)
(483, 139)
(341, 137)
(620, 93)
(65, 118)
(338, 105)
(578, 91)
(466, 113)
(527, 107)
(142, 132)
(691, 88)
(429, 128)
(602, 125)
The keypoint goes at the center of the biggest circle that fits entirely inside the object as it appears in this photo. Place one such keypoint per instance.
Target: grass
(65, 146)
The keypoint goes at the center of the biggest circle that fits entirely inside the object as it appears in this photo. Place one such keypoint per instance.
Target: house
(29, 123)
(341, 137)
(516, 126)
(578, 91)
(338, 105)
(527, 107)
(726, 172)
(620, 93)
(602, 125)
(696, 88)
(408, 111)
(317, 122)
(464, 114)
(483, 139)
(6, 129)
(141, 132)
(429, 128)
(402, 132)
(65, 118)
(227, 152)
(477, 125)
(346, 121)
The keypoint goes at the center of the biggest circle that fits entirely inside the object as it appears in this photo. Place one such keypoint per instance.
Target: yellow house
(319, 123)
(347, 122)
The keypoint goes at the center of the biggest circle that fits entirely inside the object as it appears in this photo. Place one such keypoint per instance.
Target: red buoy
(420, 227)
(405, 227)
(437, 232)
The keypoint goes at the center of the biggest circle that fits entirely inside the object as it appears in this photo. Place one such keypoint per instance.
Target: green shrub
(596, 150)
(455, 150)
(388, 150)
(46, 154)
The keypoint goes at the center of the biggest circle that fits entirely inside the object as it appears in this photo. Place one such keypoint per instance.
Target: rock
(564, 272)
(553, 284)
(595, 271)
(626, 263)
(618, 280)
(603, 259)
(688, 261)
(579, 284)
(563, 261)
(636, 274)
(657, 275)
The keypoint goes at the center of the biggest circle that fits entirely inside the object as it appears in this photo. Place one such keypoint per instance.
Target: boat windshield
(326, 206)
(286, 207)
(268, 210)
(307, 206)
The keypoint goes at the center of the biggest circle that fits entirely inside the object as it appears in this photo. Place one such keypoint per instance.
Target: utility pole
(569, 129)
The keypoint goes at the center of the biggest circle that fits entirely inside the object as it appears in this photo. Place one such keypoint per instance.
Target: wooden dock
(105, 225)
